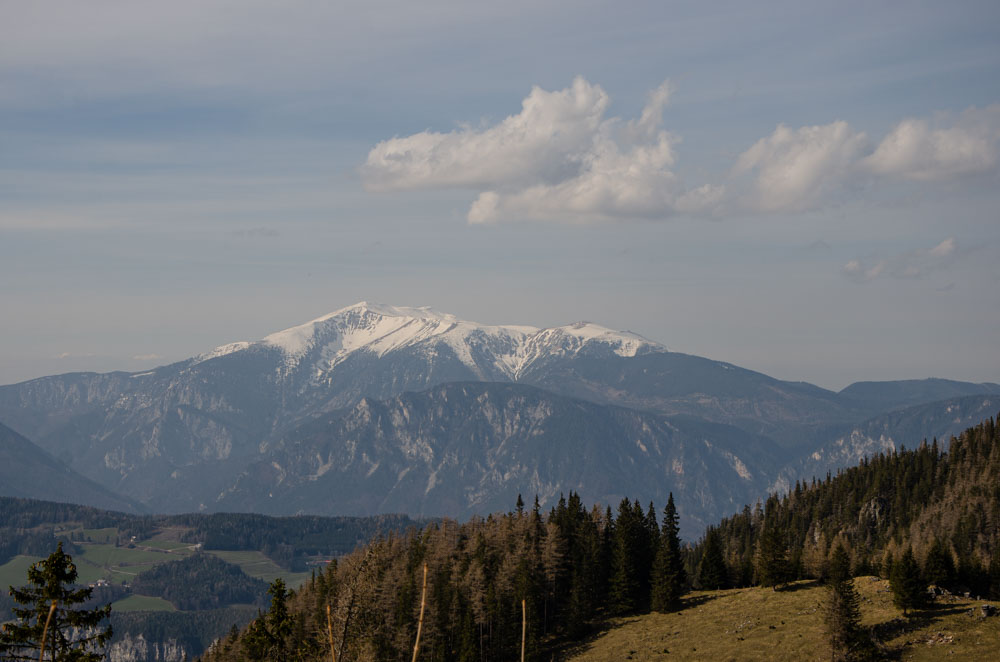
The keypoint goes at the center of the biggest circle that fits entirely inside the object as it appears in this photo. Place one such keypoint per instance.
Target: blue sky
(806, 189)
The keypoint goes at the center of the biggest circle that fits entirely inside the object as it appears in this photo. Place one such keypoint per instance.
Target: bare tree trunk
(524, 626)
(420, 623)
(329, 631)
(45, 632)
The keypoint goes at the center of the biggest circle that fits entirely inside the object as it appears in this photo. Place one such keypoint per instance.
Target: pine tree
(908, 587)
(279, 623)
(843, 618)
(712, 571)
(772, 556)
(994, 573)
(626, 552)
(257, 640)
(939, 566)
(73, 635)
(887, 565)
(669, 578)
(267, 635)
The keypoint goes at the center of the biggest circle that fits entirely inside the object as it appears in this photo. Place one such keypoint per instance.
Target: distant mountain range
(28, 471)
(376, 408)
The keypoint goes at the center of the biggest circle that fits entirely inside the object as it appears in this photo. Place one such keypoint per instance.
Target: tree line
(201, 581)
(569, 566)
(944, 507)
(915, 516)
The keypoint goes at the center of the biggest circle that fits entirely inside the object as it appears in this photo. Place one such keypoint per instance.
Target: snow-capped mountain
(169, 436)
(491, 352)
(176, 437)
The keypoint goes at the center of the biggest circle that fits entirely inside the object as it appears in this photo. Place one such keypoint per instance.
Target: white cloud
(913, 264)
(794, 169)
(914, 150)
(546, 141)
(561, 158)
(558, 159)
(72, 355)
(944, 249)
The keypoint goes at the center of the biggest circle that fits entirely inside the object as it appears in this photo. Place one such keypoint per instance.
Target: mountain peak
(419, 312)
(379, 329)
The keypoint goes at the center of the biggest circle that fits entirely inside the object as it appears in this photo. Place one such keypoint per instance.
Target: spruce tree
(669, 578)
(625, 580)
(279, 623)
(712, 571)
(939, 566)
(843, 617)
(887, 565)
(994, 572)
(73, 635)
(908, 587)
(772, 556)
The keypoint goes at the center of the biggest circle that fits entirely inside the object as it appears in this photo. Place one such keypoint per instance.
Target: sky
(807, 189)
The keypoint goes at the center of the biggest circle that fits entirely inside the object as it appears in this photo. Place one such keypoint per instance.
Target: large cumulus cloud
(560, 158)
(563, 158)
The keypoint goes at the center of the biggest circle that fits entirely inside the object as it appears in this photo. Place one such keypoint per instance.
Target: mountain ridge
(173, 437)
(380, 329)
(461, 449)
(27, 471)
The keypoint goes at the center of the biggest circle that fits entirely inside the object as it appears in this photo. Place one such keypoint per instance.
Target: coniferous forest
(920, 516)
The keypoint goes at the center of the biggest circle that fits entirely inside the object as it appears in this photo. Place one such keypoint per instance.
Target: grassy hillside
(15, 571)
(759, 624)
(142, 603)
(257, 565)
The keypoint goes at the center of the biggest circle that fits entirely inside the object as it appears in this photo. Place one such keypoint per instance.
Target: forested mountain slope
(574, 567)
(847, 446)
(947, 492)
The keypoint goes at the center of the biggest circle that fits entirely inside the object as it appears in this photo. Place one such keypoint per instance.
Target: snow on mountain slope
(380, 329)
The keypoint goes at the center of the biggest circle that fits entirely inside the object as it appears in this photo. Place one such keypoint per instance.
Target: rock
(137, 649)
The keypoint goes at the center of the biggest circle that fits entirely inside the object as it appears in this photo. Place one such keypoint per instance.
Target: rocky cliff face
(137, 649)
(888, 432)
(471, 448)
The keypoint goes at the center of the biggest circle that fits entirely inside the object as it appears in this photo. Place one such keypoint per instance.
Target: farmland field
(257, 565)
(142, 603)
(15, 571)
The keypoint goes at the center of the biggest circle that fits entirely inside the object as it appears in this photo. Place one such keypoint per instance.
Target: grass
(142, 603)
(760, 624)
(257, 565)
(15, 571)
(119, 564)
(108, 535)
(167, 545)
